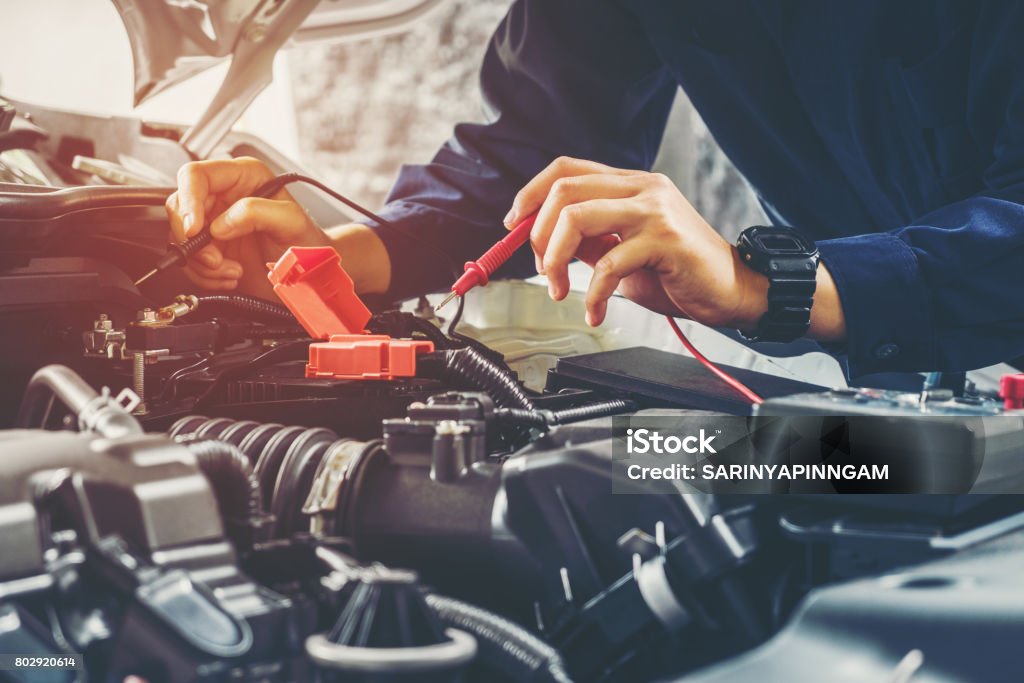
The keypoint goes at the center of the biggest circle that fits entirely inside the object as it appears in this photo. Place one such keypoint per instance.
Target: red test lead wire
(721, 374)
(480, 271)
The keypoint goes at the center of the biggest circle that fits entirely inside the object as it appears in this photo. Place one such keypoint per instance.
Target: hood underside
(173, 40)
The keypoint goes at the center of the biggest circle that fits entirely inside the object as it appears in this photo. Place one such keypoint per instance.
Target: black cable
(431, 332)
(266, 358)
(178, 254)
(247, 304)
(400, 324)
(504, 645)
(548, 418)
(469, 369)
(457, 318)
(170, 385)
(278, 183)
(465, 341)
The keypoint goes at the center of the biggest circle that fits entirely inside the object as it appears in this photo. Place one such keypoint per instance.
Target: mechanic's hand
(641, 236)
(248, 232)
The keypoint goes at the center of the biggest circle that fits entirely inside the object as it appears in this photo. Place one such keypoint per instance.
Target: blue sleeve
(944, 293)
(553, 85)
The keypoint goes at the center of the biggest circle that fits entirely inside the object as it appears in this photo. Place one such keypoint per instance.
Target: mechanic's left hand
(641, 236)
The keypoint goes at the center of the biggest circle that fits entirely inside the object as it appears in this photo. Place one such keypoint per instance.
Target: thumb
(281, 220)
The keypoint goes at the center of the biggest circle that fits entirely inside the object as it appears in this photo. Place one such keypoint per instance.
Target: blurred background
(351, 113)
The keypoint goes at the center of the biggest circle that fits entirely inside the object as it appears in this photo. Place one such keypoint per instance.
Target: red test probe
(480, 271)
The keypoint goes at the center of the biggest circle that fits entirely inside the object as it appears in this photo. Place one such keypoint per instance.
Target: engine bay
(200, 487)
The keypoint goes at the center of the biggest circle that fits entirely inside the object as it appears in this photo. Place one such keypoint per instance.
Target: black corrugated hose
(231, 477)
(546, 418)
(468, 369)
(247, 304)
(504, 645)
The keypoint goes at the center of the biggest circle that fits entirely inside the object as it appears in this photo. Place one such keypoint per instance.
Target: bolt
(139, 381)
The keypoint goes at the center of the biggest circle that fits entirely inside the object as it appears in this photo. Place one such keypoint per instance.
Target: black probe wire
(453, 323)
(288, 178)
(278, 183)
(178, 254)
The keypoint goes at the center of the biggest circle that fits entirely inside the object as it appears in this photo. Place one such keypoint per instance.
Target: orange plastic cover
(320, 294)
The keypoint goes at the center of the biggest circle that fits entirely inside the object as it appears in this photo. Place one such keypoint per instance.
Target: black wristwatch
(790, 262)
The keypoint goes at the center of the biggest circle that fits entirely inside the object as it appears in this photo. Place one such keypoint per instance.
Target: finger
(226, 270)
(209, 283)
(174, 216)
(592, 249)
(534, 192)
(210, 256)
(199, 180)
(574, 190)
(579, 221)
(282, 220)
(609, 270)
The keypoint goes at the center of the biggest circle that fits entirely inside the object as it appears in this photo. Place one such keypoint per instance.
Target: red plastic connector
(365, 356)
(320, 294)
(1011, 390)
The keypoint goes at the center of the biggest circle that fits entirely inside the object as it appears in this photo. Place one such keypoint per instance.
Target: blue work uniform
(892, 133)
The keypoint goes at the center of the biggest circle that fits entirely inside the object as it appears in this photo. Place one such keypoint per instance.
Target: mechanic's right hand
(248, 232)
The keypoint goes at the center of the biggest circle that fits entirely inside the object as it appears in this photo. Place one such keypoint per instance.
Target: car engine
(200, 487)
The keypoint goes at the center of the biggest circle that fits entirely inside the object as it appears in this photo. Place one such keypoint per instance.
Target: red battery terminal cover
(320, 294)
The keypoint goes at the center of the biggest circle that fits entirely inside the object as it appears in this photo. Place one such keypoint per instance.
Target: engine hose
(247, 304)
(548, 418)
(504, 645)
(468, 369)
(230, 475)
(283, 461)
(95, 412)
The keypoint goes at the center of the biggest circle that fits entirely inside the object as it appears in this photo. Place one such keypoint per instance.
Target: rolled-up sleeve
(553, 85)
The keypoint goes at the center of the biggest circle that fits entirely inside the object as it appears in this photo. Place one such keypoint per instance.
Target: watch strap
(790, 297)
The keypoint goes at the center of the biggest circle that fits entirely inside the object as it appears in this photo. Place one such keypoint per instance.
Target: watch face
(780, 241)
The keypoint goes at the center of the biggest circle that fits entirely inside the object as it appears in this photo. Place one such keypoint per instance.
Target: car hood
(173, 40)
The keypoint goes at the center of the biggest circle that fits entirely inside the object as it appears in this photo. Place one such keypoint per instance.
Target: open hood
(173, 40)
